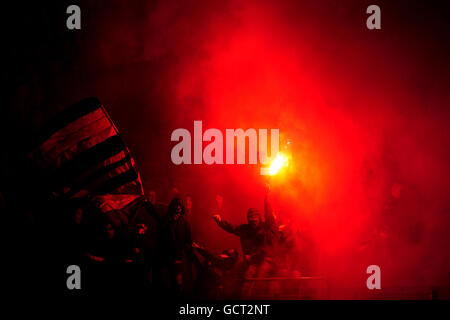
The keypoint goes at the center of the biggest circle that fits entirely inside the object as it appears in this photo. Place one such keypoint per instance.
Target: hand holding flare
(280, 161)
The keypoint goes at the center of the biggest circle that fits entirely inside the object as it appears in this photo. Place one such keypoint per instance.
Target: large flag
(81, 155)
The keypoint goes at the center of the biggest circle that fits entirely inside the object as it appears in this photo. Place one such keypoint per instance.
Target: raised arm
(228, 227)
(270, 224)
(268, 213)
(205, 253)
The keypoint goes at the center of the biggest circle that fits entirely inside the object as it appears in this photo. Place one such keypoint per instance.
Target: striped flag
(81, 155)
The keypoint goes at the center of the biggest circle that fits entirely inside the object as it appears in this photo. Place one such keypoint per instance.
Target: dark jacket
(176, 239)
(256, 242)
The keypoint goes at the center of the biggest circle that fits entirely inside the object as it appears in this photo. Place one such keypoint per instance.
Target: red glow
(365, 114)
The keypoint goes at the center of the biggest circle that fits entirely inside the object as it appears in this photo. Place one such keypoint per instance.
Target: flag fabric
(81, 156)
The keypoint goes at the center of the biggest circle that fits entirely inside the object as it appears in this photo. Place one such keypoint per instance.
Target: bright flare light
(279, 162)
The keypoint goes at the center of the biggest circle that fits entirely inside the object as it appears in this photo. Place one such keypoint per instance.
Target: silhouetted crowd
(154, 250)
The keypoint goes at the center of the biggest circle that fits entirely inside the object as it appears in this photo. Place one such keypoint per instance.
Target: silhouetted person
(144, 229)
(212, 271)
(110, 258)
(257, 240)
(175, 250)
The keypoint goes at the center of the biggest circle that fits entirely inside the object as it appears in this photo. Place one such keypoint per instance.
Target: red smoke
(366, 114)
(362, 119)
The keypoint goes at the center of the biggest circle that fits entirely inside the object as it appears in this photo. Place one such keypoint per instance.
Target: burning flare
(279, 162)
